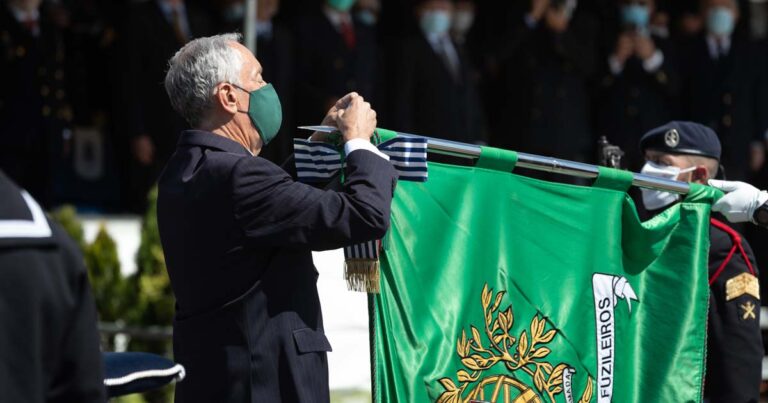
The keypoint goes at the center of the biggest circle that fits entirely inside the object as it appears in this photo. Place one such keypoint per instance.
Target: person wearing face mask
(238, 232)
(639, 85)
(547, 58)
(336, 53)
(725, 88)
(690, 152)
(435, 92)
(367, 11)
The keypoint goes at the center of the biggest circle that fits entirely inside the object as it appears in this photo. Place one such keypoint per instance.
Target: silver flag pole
(536, 162)
(549, 164)
(249, 25)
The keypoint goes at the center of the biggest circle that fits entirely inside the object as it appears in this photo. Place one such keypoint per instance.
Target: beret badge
(671, 138)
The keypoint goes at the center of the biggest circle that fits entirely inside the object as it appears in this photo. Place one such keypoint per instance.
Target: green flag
(497, 287)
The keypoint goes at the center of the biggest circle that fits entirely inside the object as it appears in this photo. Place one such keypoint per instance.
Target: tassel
(362, 275)
(319, 162)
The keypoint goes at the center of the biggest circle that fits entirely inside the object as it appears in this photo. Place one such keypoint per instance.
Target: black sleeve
(273, 210)
(666, 79)
(577, 45)
(79, 376)
(735, 348)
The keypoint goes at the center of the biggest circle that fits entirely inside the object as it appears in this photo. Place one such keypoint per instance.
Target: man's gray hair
(195, 71)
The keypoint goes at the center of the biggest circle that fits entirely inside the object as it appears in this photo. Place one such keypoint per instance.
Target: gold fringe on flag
(362, 275)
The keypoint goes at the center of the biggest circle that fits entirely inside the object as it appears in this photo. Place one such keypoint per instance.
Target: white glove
(740, 202)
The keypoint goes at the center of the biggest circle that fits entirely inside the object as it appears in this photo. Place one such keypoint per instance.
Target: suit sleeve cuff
(654, 62)
(360, 144)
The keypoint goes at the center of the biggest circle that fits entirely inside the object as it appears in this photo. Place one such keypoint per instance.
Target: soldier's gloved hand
(740, 202)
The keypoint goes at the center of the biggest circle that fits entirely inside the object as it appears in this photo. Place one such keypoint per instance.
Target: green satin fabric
(615, 179)
(498, 159)
(541, 243)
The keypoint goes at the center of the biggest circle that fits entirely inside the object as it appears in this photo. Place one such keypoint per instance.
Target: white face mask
(656, 199)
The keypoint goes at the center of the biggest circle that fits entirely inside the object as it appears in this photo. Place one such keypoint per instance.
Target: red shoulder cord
(736, 238)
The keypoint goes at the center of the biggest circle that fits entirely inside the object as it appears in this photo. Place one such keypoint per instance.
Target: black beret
(682, 138)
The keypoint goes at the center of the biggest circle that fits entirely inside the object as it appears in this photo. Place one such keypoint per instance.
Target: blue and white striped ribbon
(319, 162)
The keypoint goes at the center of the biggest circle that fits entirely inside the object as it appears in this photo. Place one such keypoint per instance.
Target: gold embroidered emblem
(523, 357)
(749, 310)
(743, 284)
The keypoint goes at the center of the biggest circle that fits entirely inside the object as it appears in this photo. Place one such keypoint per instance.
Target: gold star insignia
(749, 310)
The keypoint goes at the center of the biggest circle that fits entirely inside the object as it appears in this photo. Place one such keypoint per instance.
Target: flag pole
(249, 25)
(549, 164)
(531, 161)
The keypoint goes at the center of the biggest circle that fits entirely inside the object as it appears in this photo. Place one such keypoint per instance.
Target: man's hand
(143, 149)
(356, 120)
(644, 46)
(625, 46)
(330, 117)
(740, 202)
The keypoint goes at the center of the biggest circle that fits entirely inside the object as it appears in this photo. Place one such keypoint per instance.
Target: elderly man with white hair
(238, 231)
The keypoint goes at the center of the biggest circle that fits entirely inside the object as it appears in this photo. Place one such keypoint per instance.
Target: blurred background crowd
(84, 117)
(85, 120)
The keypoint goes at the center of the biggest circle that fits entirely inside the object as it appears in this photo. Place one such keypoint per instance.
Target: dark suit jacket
(327, 69)
(547, 110)
(728, 95)
(635, 101)
(149, 44)
(34, 101)
(429, 101)
(237, 233)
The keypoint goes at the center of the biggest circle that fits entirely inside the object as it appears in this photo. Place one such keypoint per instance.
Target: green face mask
(341, 5)
(265, 111)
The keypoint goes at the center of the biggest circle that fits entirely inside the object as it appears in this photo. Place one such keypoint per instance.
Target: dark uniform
(636, 100)
(150, 42)
(238, 233)
(49, 345)
(34, 109)
(328, 67)
(728, 94)
(431, 99)
(547, 103)
(734, 340)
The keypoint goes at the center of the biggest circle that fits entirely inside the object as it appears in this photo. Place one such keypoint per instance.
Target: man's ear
(700, 174)
(226, 97)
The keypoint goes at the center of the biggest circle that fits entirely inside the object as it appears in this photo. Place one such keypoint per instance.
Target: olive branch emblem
(525, 353)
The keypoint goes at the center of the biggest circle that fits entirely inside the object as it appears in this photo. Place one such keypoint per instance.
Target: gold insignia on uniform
(743, 284)
(749, 310)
